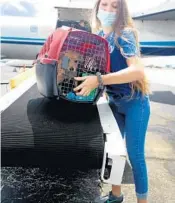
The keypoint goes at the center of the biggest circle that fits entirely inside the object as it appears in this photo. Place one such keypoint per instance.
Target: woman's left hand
(89, 83)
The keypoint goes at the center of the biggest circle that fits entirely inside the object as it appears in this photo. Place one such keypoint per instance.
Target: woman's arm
(135, 71)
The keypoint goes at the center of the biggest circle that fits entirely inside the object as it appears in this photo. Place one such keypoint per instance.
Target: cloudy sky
(134, 5)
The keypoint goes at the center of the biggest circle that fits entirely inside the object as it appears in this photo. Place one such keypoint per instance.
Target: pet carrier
(70, 53)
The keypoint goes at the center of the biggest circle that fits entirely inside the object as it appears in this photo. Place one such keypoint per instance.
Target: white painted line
(161, 76)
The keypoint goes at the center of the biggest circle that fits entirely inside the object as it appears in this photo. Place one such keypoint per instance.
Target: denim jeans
(132, 117)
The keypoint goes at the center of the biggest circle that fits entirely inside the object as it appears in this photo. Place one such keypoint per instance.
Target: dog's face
(67, 65)
(73, 58)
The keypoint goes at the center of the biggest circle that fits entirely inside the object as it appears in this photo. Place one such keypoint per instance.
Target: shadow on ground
(164, 97)
(128, 176)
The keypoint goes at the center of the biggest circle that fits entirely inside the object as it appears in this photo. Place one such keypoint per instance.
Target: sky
(134, 5)
(137, 5)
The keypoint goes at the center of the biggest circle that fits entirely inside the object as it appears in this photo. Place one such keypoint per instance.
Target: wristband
(100, 81)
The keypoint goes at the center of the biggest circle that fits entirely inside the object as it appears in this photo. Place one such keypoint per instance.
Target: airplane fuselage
(23, 37)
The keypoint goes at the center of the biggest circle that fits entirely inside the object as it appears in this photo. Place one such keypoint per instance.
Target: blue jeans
(132, 117)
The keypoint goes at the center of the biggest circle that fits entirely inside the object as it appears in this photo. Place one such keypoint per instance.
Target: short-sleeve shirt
(127, 44)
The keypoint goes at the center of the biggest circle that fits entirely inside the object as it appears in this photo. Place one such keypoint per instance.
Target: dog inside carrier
(70, 53)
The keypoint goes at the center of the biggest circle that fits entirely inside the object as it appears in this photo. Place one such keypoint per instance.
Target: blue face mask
(106, 18)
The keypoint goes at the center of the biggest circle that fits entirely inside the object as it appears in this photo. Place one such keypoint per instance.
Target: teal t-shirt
(118, 59)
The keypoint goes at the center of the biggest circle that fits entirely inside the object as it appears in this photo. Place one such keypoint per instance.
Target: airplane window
(18, 8)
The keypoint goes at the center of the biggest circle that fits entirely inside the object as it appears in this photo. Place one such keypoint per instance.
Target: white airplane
(25, 25)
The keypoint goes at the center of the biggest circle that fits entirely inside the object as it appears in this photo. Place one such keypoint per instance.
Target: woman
(126, 88)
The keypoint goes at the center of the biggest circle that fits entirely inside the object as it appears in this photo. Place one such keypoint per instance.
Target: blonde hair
(124, 22)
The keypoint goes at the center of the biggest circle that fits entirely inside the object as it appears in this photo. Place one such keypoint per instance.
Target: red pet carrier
(66, 54)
